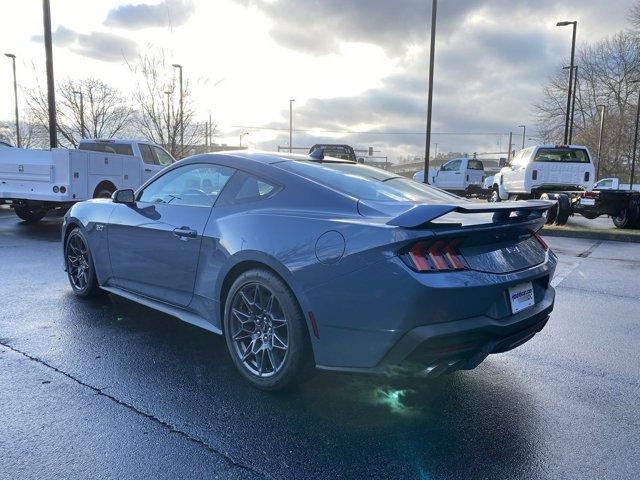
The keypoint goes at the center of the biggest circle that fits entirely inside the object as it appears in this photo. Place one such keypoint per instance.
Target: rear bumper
(435, 349)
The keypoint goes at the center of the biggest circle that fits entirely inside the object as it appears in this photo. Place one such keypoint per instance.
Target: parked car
(34, 182)
(614, 184)
(277, 253)
(460, 175)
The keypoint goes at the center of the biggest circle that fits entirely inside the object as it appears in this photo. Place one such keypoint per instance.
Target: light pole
(524, 133)
(15, 95)
(242, 135)
(51, 94)
(604, 107)
(81, 112)
(573, 52)
(179, 67)
(573, 101)
(635, 141)
(432, 52)
(291, 124)
(168, 94)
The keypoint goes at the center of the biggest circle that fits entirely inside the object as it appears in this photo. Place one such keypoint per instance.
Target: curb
(622, 236)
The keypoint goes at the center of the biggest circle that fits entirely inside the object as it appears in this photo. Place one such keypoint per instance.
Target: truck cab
(154, 157)
(459, 175)
(544, 168)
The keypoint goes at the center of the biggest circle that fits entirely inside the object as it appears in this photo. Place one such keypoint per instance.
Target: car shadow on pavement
(469, 424)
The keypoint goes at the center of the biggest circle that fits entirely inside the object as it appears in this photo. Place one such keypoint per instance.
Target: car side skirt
(184, 315)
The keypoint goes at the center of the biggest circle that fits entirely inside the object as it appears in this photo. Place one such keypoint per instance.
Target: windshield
(368, 183)
(569, 155)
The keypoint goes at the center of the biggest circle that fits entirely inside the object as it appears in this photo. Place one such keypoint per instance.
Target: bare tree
(107, 112)
(157, 98)
(32, 135)
(607, 71)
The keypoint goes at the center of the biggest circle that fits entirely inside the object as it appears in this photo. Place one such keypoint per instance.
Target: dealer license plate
(521, 296)
(589, 202)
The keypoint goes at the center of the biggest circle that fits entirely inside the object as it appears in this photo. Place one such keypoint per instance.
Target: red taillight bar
(541, 241)
(439, 256)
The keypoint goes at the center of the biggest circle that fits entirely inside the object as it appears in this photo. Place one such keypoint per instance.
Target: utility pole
(210, 131)
(51, 95)
(569, 94)
(81, 113)
(242, 135)
(15, 96)
(604, 107)
(573, 101)
(435, 151)
(432, 51)
(524, 133)
(635, 144)
(291, 124)
(509, 152)
(179, 67)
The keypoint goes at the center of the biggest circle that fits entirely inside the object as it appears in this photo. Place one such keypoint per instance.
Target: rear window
(475, 165)
(367, 183)
(119, 148)
(568, 155)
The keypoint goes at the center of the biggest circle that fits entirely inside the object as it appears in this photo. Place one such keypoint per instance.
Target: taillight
(541, 241)
(436, 256)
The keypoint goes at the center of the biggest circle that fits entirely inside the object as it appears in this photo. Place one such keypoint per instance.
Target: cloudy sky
(357, 69)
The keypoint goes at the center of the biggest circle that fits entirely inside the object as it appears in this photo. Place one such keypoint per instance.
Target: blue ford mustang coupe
(305, 261)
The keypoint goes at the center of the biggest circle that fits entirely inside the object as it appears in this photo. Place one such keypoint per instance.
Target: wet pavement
(104, 388)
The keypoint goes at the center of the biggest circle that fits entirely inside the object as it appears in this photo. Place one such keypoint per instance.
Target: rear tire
(266, 332)
(495, 196)
(628, 216)
(29, 215)
(79, 263)
(564, 209)
(104, 193)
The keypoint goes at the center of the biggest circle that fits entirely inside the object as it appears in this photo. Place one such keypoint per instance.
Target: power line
(315, 130)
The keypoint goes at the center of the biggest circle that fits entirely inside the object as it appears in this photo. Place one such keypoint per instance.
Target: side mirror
(125, 195)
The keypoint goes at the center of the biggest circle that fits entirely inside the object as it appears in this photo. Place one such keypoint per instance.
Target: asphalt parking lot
(108, 389)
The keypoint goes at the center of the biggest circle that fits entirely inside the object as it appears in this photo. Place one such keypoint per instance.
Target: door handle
(148, 170)
(185, 232)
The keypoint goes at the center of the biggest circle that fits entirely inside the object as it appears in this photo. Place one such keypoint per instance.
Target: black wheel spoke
(258, 328)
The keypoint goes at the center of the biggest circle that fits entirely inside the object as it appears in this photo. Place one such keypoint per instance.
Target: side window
(452, 166)
(195, 185)
(245, 188)
(162, 156)
(475, 165)
(147, 154)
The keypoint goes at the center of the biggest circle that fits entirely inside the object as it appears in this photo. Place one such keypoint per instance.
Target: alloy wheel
(78, 262)
(259, 330)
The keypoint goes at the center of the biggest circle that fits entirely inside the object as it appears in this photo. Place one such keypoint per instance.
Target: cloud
(143, 15)
(492, 58)
(103, 46)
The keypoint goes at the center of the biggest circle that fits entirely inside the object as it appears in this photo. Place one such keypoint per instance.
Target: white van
(544, 168)
(459, 175)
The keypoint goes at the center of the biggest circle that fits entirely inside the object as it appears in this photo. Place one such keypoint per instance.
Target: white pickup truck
(34, 182)
(459, 175)
(542, 169)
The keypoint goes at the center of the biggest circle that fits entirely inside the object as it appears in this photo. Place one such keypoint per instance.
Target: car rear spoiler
(421, 215)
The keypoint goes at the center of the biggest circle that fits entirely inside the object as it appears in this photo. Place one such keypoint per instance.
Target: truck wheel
(103, 193)
(552, 213)
(495, 196)
(564, 209)
(628, 216)
(30, 215)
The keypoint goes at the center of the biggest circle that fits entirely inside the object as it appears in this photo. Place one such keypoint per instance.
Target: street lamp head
(10, 55)
(292, 99)
(565, 23)
(521, 126)
(176, 65)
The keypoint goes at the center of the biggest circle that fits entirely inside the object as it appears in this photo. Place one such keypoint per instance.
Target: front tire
(265, 331)
(80, 268)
